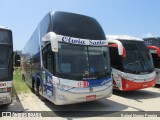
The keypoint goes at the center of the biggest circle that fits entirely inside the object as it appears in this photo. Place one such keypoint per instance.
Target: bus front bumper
(65, 97)
(130, 85)
(5, 98)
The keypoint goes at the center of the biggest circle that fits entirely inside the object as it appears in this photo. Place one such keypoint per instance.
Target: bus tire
(37, 91)
(37, 87)
(42, 98)
(33, 85)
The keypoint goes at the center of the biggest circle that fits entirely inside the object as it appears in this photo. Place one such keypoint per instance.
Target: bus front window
(78, 62)
(138, 59)
(5, 64)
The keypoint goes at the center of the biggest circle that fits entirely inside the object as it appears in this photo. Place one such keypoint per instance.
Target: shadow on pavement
(137, 95)
(103, 107)
(157, 86)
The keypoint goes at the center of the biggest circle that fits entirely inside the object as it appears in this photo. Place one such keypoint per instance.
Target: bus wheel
(38, 93)
(37, 89)
(42, 98)
(33, 86)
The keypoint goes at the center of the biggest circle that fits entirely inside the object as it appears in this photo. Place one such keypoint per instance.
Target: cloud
(148, 35)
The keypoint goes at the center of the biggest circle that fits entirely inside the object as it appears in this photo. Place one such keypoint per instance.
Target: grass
(20, 86)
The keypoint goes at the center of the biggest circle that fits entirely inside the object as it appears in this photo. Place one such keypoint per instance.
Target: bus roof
(5, 28)
(53, 12)
(148, 38)
(123, 37)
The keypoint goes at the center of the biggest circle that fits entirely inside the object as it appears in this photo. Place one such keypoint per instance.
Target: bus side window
(50, 62)
(115, 58)
(48, 58)
(44, 57)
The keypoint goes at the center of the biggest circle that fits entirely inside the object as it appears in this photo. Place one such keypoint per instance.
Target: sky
(139, 18)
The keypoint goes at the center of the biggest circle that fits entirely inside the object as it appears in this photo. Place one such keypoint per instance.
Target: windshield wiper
(131, 64)
(145, 63)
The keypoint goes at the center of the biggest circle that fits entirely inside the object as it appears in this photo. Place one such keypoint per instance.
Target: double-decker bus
(131, 62)
(154, 44)
(6, 65)
(67, 60)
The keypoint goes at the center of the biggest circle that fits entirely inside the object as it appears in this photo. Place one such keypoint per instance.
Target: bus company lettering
(83, 41)
(73, 40)
(97, 42)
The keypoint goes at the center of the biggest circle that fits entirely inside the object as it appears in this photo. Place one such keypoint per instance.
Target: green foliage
(19, 85)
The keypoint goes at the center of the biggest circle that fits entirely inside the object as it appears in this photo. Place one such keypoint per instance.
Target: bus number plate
(91, 97)
(145, 85)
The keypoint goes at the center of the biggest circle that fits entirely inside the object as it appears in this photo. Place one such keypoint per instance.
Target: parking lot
(16, 105)
(140, 100)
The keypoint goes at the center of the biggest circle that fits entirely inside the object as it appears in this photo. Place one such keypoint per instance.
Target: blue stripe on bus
(99, 82)
(92, 83)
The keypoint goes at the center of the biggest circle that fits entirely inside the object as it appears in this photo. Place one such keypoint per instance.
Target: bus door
(48, 62)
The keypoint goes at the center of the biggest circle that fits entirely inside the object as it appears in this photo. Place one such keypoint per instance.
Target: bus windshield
(5, 37)
(138, 58)
(5, 63)
(80, 62)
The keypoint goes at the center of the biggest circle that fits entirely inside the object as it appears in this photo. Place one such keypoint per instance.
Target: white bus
(67, 60)
(131, 61)
(154, 44)
(6, 65)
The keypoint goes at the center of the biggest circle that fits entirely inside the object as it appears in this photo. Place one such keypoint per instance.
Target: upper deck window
(78, 26)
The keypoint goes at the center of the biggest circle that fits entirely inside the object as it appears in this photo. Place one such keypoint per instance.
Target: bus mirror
(17, 61)
(124, 52)
(154, 48)
(116, 46)
(52, 37)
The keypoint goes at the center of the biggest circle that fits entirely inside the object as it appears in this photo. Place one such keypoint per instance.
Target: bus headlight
(124, 75)
(109, 83)
(65, 87)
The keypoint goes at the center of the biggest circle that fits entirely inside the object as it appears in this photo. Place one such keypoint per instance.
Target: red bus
(131, 62)
(154, 44)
